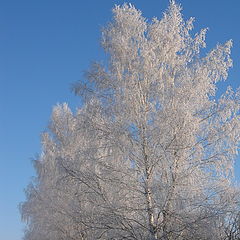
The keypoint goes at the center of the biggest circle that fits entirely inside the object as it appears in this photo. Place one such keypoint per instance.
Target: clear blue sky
(44, 47)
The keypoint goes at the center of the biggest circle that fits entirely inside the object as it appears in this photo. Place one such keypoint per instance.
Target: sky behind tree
(45, 47)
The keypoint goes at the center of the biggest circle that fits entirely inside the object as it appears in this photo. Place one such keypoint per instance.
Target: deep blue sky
(44, 47)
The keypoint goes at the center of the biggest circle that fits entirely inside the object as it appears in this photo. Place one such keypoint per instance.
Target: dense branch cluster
(150, 154)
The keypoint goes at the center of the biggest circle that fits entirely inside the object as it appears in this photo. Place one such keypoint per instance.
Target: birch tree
(150, 155)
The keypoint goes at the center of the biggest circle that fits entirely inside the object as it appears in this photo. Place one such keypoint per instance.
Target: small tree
(150, 154)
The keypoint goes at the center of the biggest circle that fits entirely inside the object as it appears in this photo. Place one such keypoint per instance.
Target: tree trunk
(148, 192)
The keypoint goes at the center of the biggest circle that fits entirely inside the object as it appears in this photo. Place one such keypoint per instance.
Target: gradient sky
(45, 45)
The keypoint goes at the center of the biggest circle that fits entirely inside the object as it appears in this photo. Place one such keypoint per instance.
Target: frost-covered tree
(150, 154)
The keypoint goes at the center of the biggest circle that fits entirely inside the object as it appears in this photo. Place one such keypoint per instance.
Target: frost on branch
(150, 155)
